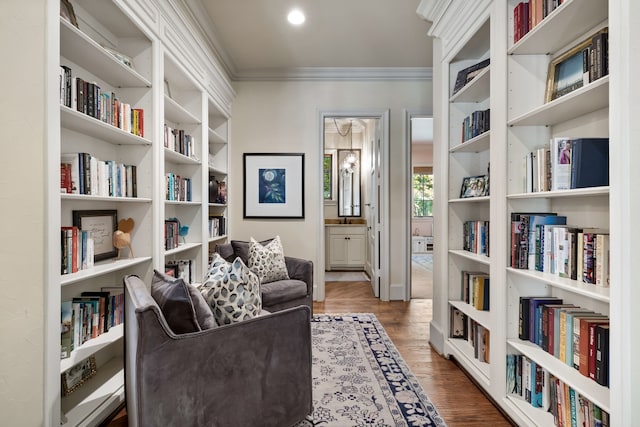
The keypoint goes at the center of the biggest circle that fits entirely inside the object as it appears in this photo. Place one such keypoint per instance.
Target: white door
(372, 212)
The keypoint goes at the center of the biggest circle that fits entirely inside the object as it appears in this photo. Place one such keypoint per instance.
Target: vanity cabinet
(421, 244)
(346, 246)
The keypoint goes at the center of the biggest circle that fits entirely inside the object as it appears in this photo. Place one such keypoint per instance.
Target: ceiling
(255, 41)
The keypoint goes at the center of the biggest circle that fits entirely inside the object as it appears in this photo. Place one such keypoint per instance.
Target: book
(66, 329)
(602, 355)
(583, 355)
(458, 322)
(589, 162)
(560, 163)
(602, 260)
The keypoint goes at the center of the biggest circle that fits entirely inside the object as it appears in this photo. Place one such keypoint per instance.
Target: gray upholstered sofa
(252, 373)
(281, 294)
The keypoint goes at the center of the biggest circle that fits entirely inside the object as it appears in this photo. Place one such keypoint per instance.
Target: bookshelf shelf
(89, 198)
(585, 386)
(102, 268)
(183, 247)
(482, 317)
(578, 192)
(535, 416)
(100, 395)
(216, 171)
(587, 99)
(80, 48)
(217, 238)
(183, 203)
(471, 199)
(477, 90)
(563, 26)
(177, 113)
(178, 158)
(87, 125)
(592, 291)
(463, 352)
(482, 259)
(477, 144)
(216, 138)
(217, 205)
(92, 346)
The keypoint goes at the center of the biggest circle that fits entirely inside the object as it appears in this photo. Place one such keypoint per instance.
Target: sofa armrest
(255, 372)
(300, 269)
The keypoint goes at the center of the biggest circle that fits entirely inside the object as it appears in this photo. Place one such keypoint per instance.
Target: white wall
(22, 217)
(283, 117)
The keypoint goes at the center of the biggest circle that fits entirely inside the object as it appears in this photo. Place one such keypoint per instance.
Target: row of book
(475, 236)
(89, 316)
(88, 98)
(177, 188)
(182, 268)
(566, 164)
(180, 141)
(77, 250)
(528, 380)
(83, 173)
(171, 233)
(475, 124)
(528, 14)
(577, 336)
(464, 327)
(544, 242)
(475, 289)
(217, 226)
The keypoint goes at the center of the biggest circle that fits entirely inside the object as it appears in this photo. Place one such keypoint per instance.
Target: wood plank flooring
(455, 396)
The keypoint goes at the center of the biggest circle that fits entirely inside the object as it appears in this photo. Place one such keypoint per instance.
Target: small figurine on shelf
(182, 232)
(122, 236)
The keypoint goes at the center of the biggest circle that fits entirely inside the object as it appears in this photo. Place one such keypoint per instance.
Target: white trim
(335, 73)
(383, 115)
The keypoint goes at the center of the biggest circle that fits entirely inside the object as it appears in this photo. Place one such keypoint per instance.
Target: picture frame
(273, 185)
(474, 186)
(566, 72)
(78, 374)
(124, 59)
(67, 12)
(465, 75)
(102, 224)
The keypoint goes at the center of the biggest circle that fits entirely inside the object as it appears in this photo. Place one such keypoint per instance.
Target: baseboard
(397, 292)
(436, 337)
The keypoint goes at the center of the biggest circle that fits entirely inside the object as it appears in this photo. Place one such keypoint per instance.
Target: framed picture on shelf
(474, 186)
(77, 375)
(124, 59)
(273, 185)
(102, 224)
(569, 71)
(466, 75)
(66, 11)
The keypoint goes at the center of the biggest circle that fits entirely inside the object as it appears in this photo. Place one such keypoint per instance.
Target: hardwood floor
(456, 398)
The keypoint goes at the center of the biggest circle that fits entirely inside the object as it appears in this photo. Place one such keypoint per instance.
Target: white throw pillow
(231, 290)
(268, 261)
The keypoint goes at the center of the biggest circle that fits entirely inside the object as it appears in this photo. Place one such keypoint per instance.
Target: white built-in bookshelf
(513, 87)
(172, 89)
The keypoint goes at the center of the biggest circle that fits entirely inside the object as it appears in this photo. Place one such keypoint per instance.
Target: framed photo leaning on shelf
(102, 224)
(273, 185)
(66, 11)
(474, 186)
(73, 378)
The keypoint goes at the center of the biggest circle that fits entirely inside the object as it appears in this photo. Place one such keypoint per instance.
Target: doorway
(421, 209)
(352, 232)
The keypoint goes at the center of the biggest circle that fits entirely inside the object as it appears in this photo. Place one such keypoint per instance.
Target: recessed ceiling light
(296, 17)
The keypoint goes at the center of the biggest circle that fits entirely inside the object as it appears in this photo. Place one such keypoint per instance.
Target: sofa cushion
(267, 261)
(241, 249)
(281, 291)
(183, 307)
(231, 290)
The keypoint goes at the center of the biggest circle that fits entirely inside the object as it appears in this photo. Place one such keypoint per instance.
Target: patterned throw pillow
(232, 291)
(267, 261)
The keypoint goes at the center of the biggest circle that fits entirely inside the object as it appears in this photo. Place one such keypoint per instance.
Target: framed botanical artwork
(474, 186)
(273, 185)
(102, 224)
(77, 375)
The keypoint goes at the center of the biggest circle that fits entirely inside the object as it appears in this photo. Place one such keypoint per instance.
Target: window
(422, 192)
(327, 177)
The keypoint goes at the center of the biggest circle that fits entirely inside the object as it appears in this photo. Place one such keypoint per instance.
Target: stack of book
(180, 141)
(83, 173)
(464, 327)
(475, 236)
(177, 188)
(77, 250)
(475, 124)
(475, 289)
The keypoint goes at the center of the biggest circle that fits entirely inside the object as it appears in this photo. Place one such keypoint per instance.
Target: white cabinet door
(338, 250)
(356, 251)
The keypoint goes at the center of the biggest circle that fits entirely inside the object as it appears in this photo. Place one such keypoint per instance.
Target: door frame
(383, 116)
(408, 115)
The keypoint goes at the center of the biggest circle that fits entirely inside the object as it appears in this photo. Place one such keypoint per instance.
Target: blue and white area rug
(360, 379)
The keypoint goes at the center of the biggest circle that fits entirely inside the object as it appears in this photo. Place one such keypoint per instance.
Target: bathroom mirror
(349, 182)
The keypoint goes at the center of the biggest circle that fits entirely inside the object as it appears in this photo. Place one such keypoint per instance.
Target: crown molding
(337, 73)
